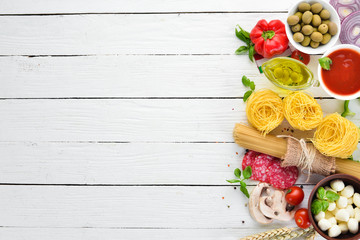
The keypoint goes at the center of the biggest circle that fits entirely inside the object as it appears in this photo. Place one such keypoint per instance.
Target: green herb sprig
(246, 175)
(248, 83)
(324, 198)
(245, 37)
(325, 63)
(347, 111)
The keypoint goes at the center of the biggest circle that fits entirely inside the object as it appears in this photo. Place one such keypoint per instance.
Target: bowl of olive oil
(288, 73)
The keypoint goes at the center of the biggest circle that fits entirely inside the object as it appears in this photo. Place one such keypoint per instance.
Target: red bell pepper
(269, 38)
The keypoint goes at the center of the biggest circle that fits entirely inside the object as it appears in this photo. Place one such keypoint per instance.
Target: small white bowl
(334, 17)
(341, 97)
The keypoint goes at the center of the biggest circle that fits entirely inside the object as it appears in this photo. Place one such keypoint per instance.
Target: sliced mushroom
(278, 209)
(254, 204)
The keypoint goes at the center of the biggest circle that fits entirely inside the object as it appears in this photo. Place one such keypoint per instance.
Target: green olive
(316, 37)
(332, 28)
(315, 29)
(293, 20)
(316, 7)
(303, 7)
(314, 44)
(325, 22)
(316, 20)
(323, 28)
(307, 17)
(298, 37)
(306, 41)
(325, 14)
(307, 30)
(296, 28)
(326, 38)
(278, 72)
(299, 14)
(302, 24)
(295, 77)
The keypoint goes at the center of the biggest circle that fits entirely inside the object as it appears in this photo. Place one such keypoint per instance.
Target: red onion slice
(345, 7)
(350, 29)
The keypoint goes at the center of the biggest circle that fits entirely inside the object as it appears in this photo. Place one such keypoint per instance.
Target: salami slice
(282, 177)
(249, 158)
(260, 167)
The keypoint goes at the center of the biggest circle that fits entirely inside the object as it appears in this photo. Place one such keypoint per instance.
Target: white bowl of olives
(313, 27)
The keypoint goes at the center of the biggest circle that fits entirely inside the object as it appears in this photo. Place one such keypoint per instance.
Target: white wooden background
(116, 118)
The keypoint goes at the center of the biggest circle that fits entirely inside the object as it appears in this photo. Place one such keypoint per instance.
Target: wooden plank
(132, 76)
(128, 234)
(111, 163)
(137, 120)
(128, 207)
(113, 6)
(125, 34)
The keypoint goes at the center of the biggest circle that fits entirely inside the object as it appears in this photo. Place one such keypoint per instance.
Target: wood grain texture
(125, 34)
(126, 163)
(135, 120)
(132, 76)
(128, 207)
(139, 6)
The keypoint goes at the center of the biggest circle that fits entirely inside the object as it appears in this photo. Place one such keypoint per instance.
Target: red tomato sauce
(343, 78)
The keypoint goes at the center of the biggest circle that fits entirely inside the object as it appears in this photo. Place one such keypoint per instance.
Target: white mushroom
(332, 206)
(324, 224)
(342, 202)
(337, 185)
(343, 227)
(320, 216)
(254, 204)
(356, 199)
(348, 191)
(278, 209)
(353, 225)
(334, 231)
(342, 215)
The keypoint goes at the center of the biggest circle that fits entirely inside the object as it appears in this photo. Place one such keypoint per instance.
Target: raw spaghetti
(264, 110)
(336, 136)
(302, 111)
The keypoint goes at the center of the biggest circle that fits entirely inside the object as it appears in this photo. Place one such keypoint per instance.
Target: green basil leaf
(316, 206)
(321, 193)
(245, 81)
(244, 189)
(251, 53)
(325, 63)
(331, 196)
(241, 50)
(237, 173)
(247, 172)
(233, 180)
(242, 35)
(247, 95)
(252, 85)
(325, 205)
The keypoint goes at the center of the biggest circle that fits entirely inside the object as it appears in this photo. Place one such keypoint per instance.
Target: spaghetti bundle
(302, 111)
(264, 110)
(336, 136)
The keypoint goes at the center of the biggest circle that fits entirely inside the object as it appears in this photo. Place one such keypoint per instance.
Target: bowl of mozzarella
(334, 207)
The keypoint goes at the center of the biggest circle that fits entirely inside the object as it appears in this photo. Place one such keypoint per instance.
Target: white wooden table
(117, 117)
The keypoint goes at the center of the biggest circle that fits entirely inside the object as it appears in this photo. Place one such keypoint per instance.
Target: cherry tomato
(303, 57)
(294, 195)
(302, 218)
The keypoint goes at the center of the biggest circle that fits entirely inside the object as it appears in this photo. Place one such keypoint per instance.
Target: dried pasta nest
(264, 110)
(302, 111)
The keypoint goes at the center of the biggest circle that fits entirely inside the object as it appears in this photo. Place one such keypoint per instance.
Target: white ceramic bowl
(334, 17)
(341, 97)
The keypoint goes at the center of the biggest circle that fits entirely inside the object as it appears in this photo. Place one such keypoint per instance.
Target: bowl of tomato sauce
(342, 81)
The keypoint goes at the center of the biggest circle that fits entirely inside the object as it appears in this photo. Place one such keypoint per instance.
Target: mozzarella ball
(357, 214)
(333, 221)
(334, 231)
(342, 202)
(328, 215)
(343, 227)
(342, 215)
(350, 201)
(327, 188)
(353, 225)
(337, 185)
(332, 206)
(356, 199)
(324, 224)
(319, 216)
(348, 191)
(334, 212)
(350, 210)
